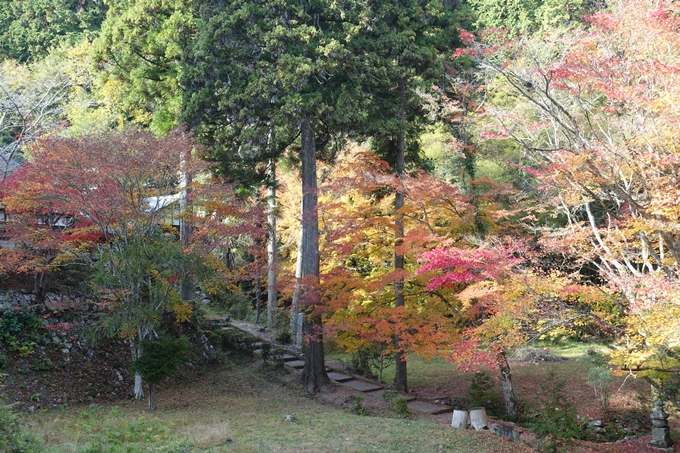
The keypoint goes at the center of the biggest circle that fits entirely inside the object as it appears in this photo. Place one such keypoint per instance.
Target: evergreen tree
(397, 49)
(29, 29)
(262, 75)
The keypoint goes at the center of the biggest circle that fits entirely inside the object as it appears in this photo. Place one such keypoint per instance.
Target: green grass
(571, 349)
(249, 406)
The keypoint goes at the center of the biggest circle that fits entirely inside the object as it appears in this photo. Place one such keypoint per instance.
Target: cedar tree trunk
(400, 378)
(314, 372)
(186, 290)
(271, 247)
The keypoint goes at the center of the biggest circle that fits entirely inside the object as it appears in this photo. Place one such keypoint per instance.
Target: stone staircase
(295, 362)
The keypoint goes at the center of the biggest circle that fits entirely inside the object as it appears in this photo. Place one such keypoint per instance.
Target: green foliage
(400, 407)
(283, 336)
(530, 15)
(360, 362)
(555, 421)
(161, 357)
(21, 331)
(30, 28)
(140, 46)
(358, 406)
(389, 395)
(482, 392)
(13, 438)
(234, 341)
(599, 378)
(135, 278)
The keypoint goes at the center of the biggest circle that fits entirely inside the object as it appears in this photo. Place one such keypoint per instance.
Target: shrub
(482, 392)
(401, 407)
(599, 379)
(358, 406)
(13, 439)
(283, 336)
(555, 422)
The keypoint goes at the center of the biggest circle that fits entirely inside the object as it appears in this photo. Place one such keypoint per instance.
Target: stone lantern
(661, 433)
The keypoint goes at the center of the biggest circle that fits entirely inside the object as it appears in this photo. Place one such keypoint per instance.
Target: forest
(391, 182)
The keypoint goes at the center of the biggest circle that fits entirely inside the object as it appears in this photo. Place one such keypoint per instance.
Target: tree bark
(506, 381)
(400, 375)
(271, 247)
(152, 398)
(186, 290)
(314, 373)
(295, 304)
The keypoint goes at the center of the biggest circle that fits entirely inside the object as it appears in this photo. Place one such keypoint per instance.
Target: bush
(483, 393)
(21, 331)
(401, 407)
(161, 357)
(283, 336)
(234, 341)
(358, 406)
(555, 422)
(599, 379)
(13, 439)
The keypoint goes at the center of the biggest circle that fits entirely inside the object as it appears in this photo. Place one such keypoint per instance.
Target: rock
(507, 431)
(289, 418)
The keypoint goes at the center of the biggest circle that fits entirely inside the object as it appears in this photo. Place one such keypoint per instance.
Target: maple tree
(597, 114)
(116, 190)
(398, 57)
(358, 245)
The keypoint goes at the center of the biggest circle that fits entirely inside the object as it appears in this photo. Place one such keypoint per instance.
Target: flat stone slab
(339, 377)
(298, 364)
(448, 415)
(288, 358)
(379, 394)
(362, 386)
(428, 408)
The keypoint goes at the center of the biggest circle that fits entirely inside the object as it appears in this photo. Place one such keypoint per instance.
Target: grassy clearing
(249, 407)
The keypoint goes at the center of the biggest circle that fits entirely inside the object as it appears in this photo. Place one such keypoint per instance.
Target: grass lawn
(248, 406)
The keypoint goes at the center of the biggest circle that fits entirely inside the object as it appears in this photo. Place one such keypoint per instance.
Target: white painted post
(460, 419)
(478, 418)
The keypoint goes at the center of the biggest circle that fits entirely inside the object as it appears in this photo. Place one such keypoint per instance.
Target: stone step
(379, 394)
(428, 408)
(361, 386)
(289, 358)
(297, 364)
(339, 377)
(448, 415)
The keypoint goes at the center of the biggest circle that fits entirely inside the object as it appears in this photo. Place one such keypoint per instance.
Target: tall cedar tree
(140, 45)
(398, 47)
(29, 29)
(259, 75)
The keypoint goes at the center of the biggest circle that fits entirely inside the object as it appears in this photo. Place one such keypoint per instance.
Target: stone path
(367, 388)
